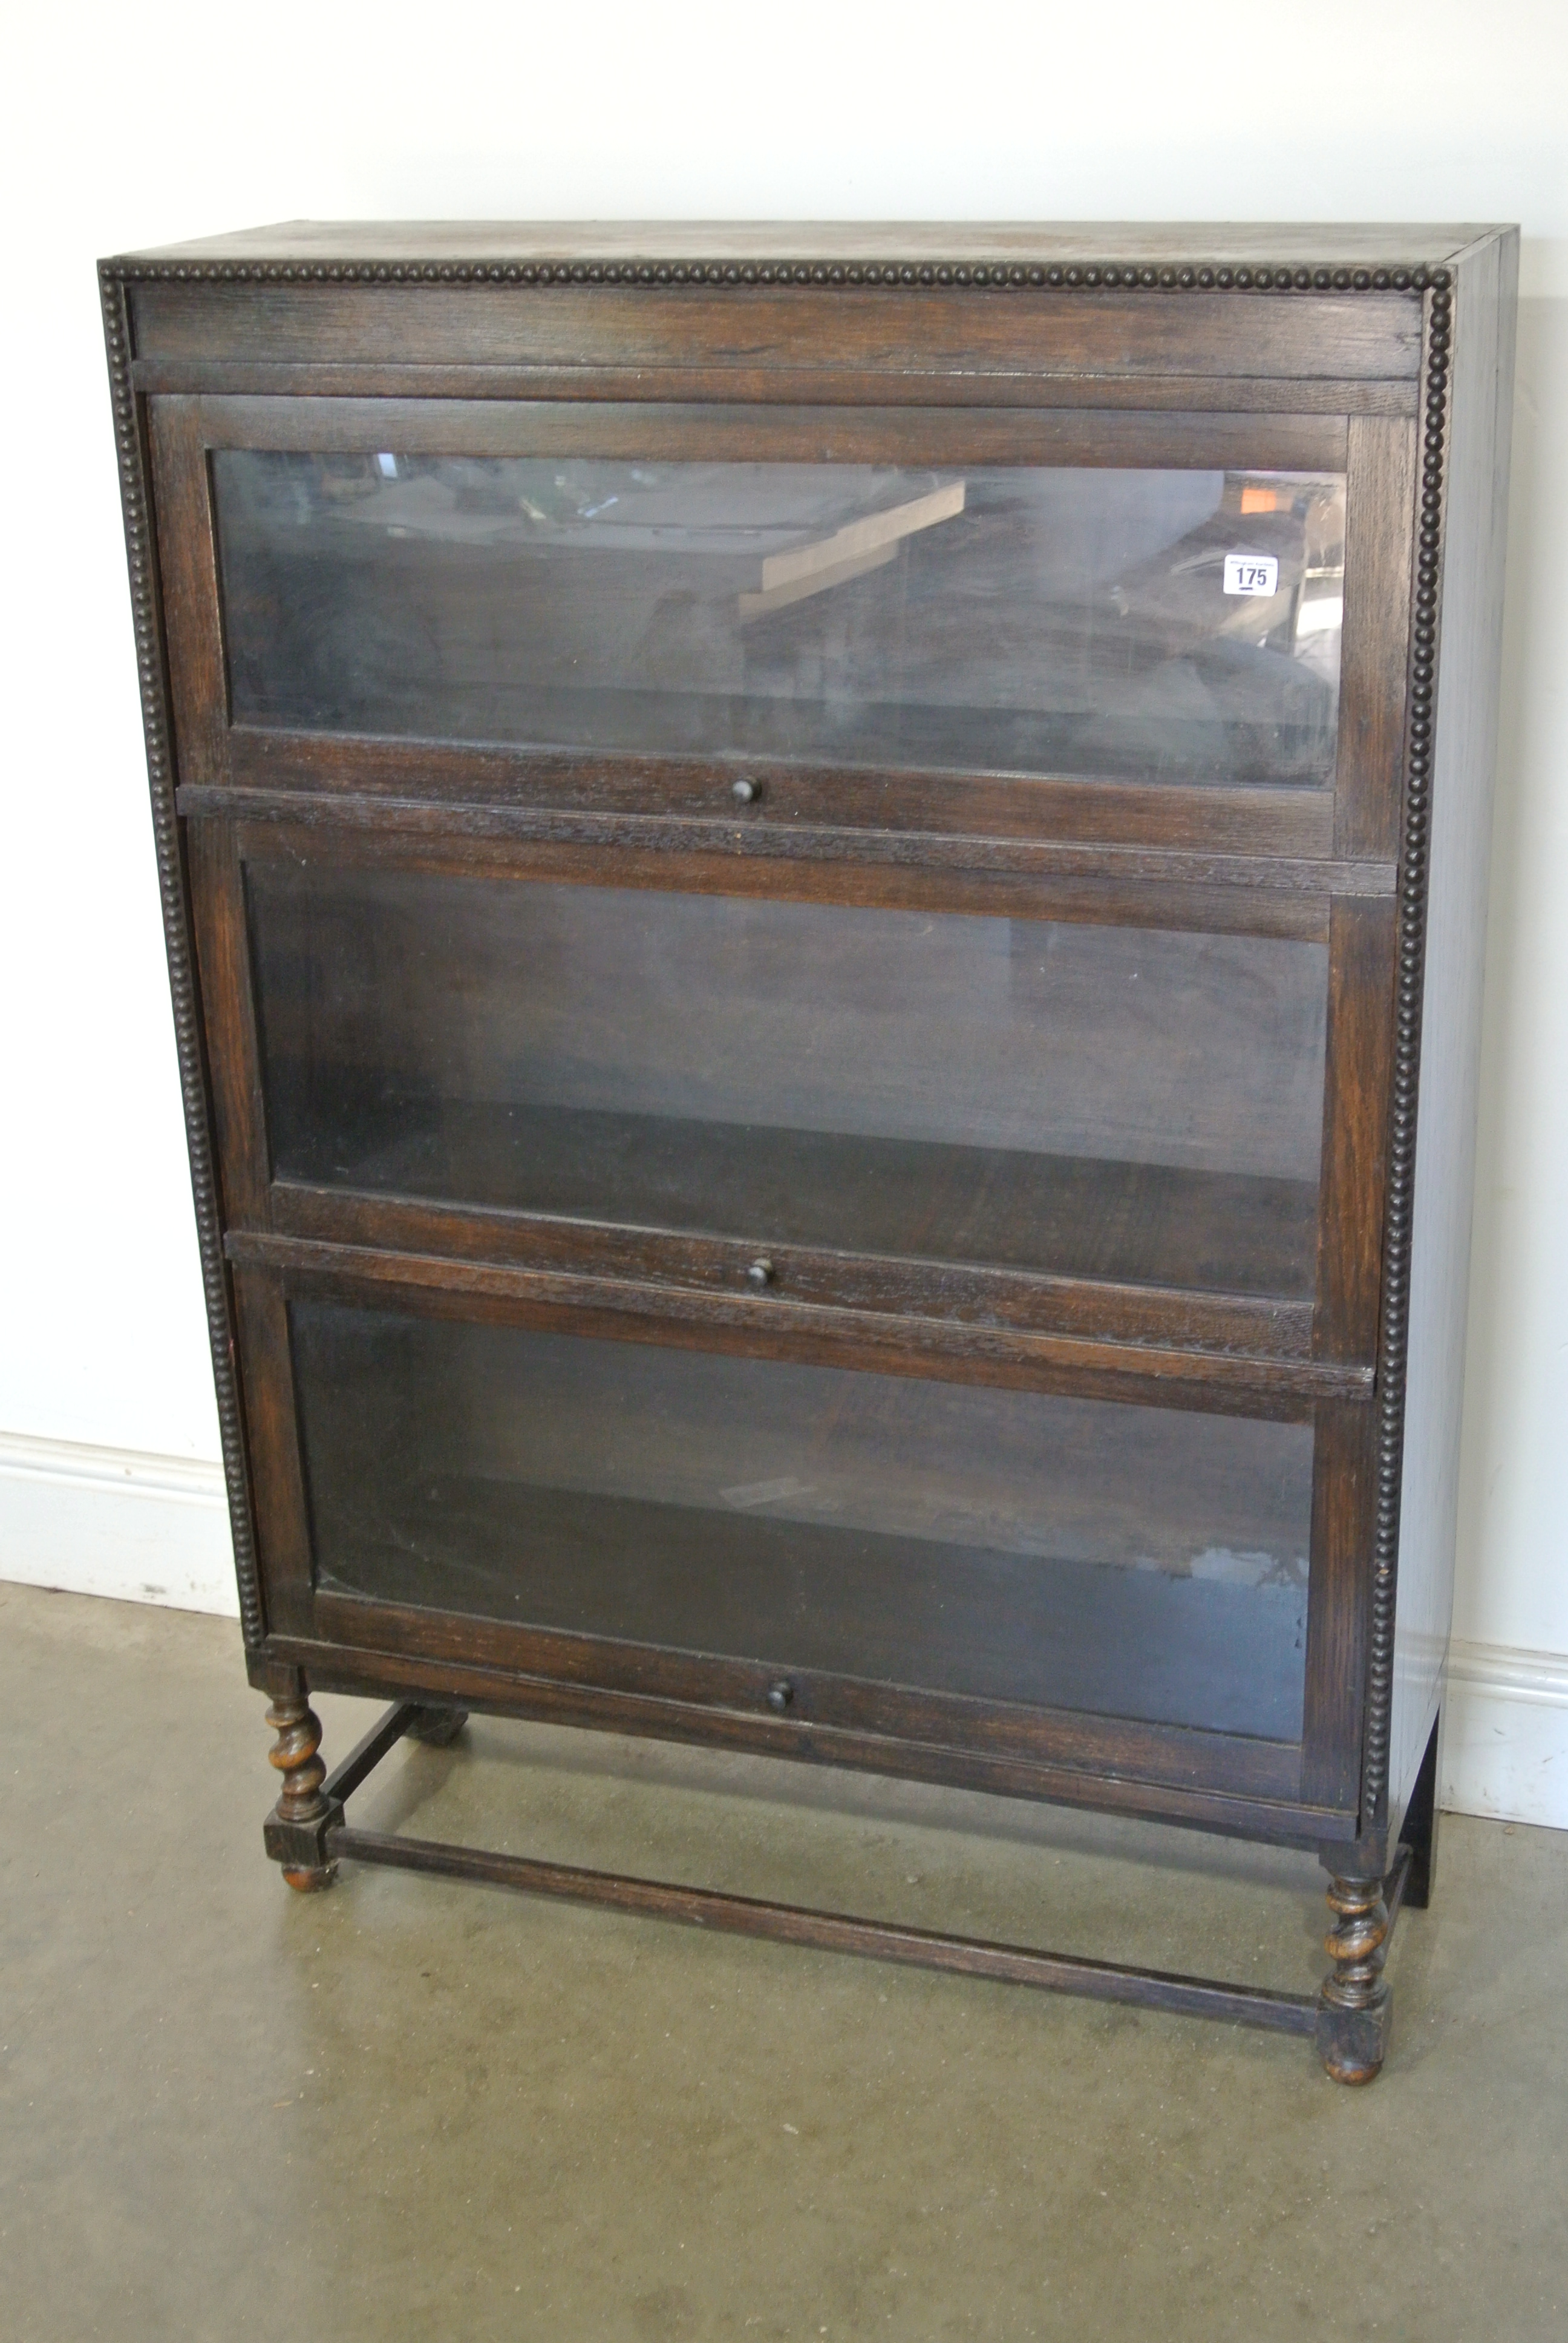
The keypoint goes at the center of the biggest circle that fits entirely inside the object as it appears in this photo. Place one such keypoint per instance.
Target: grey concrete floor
(410, 2108)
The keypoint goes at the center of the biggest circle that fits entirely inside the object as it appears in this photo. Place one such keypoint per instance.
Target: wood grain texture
(223, 950)
(928, 884)
(841, 387)
(967, 818)
(735, 1694)
(1097, 1304)
(1343, 1500)
(1355, 1130)
(1353, 247)
(1370, 336)
(1380, 530)
(711, 432)
(197, 681)
(770, 834)
(352, 1664)
(272, 1422)
(770, 1326)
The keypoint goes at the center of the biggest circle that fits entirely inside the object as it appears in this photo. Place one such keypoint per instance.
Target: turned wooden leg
(296, 1827)
(1354, 2006)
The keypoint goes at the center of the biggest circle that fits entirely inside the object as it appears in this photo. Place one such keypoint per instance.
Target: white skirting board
(1505, 1734)
(115, 1521)
(155, 1529)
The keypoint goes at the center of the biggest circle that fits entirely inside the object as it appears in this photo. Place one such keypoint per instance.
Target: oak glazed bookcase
(824, 892)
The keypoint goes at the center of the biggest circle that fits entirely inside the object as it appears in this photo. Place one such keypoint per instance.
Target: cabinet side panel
(1465, 748)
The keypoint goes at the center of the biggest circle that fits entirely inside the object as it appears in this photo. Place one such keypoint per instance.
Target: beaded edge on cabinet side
(156, 726)
(1185, 277)
(1415, 838)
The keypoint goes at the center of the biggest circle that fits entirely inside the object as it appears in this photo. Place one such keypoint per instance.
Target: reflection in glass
(1130, 1561)
(1117, 1103)
(1181, 626)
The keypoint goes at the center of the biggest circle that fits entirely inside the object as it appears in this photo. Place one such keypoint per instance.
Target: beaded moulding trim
(1185, 277)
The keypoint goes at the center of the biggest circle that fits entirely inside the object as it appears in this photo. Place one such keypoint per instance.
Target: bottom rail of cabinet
(335, 1838)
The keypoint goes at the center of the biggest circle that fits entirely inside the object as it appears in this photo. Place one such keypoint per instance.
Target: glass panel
(1101, 1101)
(1179, 625)
(1130, 1561)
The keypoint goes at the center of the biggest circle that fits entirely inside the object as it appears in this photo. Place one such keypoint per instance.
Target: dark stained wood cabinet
(824, 894)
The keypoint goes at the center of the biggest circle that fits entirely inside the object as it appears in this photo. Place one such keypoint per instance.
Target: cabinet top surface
(1026, 243)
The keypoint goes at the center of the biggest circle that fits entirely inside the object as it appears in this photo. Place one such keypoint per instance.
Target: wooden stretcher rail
(793, 1924)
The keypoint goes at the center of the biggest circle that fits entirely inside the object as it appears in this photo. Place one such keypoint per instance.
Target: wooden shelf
(1066, 1216)
(952, 1618)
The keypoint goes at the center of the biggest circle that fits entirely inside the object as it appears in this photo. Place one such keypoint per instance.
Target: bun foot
(306, 1883)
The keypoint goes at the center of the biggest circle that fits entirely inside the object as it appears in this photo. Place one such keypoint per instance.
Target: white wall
(179, 120)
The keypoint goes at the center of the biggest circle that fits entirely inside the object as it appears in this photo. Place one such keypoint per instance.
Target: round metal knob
(780, 1694)
(760, 1275)
(745, 792)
